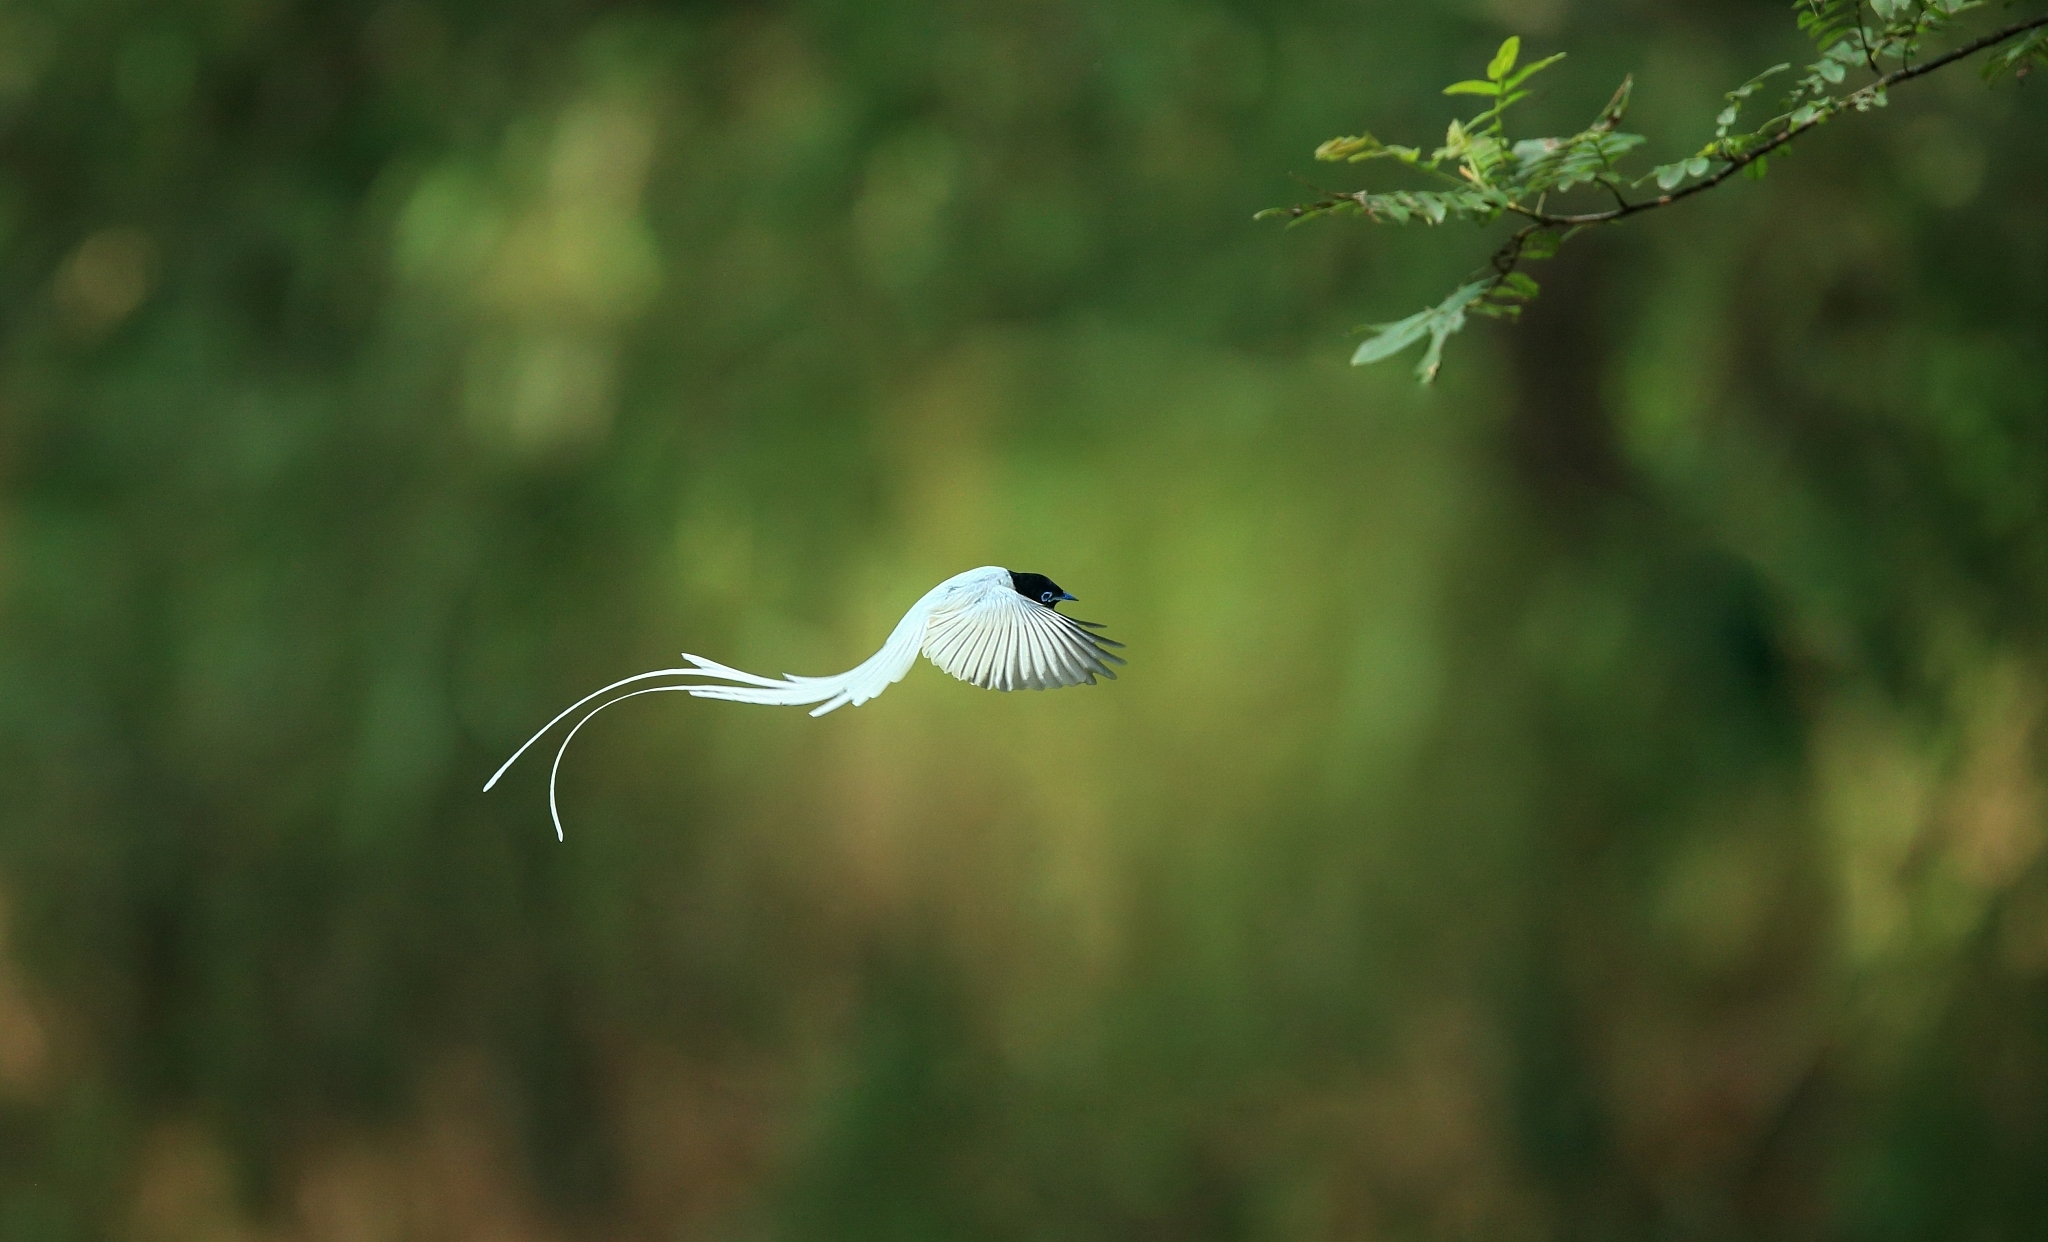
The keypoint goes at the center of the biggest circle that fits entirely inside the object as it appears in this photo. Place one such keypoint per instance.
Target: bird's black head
(1037, 588)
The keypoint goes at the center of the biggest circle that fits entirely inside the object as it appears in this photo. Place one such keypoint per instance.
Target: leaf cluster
(2019, 59)
(1495, 298)
(1481, 174)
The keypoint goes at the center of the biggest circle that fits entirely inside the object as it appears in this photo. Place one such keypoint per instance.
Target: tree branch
(1746, 158)
(1502, 178)
(1734, 164)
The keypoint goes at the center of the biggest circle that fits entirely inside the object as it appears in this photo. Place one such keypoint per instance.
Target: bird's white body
(973, 625)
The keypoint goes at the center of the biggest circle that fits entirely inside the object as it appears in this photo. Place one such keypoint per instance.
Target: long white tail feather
(790, 693)
(554, 811)
(856, 686)
(569, 710)
(712, 668)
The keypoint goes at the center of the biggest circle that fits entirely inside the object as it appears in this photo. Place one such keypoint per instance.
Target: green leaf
(1696, 166)
(1541, 244)
(1528, 70)
(1516, 284)
(1344, 148)
(1432, 359)
(1485, 155)
(1610, 116)
(1504, 59)
(1437, 323)
(2017, 60)
(1433, 206)
(1826, 21)
(1749, 88)
(1726, 120)
(1391, 338)
(1669, 175)
(1472, 86)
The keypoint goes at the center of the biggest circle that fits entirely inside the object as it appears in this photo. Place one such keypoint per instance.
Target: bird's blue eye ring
(1045, 597)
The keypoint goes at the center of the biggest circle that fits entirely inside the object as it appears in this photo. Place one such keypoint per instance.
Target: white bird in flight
(990, 627)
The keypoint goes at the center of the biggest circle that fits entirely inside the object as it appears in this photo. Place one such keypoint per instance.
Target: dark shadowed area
(1599, 796)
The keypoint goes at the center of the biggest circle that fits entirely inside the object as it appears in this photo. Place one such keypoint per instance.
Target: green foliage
(1490, 176)
(2019, 59)
(1437, 323)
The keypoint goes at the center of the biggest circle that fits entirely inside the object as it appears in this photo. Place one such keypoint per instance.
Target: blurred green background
(1599, 797)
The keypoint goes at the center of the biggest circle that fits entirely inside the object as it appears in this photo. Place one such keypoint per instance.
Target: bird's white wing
(997, 639)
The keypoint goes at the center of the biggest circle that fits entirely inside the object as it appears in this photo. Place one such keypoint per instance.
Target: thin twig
(1863, 41)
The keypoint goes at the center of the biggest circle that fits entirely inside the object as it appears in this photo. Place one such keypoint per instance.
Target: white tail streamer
(623, 681)
(554, 812)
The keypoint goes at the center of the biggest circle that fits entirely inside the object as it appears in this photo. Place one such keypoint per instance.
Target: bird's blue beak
(1064, 595)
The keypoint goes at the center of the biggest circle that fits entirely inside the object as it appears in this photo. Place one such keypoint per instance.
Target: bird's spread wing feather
(997, 639)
